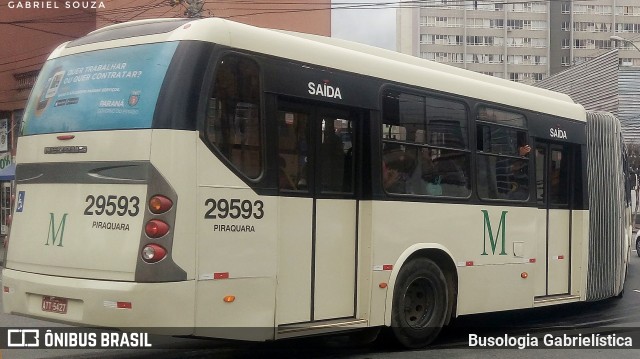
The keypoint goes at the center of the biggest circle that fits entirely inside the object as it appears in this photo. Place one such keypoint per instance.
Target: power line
(153, 4)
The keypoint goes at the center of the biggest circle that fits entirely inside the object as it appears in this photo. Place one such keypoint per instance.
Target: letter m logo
(56, 234)
(488, 232)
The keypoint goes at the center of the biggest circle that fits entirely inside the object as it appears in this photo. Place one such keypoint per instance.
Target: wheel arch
(442, 257)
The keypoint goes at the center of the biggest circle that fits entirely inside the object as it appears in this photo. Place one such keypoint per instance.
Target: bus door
(553, 176)
(318, 213)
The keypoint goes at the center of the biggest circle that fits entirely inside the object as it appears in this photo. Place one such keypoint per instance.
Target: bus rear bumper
(166, 308)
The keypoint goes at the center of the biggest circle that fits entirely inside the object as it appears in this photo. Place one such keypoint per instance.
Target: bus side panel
(248, 317)
(295, 220)
(559, 251)
(494, 288)
(491, 246)
(579, 252)
(236, 254)
(370, 296)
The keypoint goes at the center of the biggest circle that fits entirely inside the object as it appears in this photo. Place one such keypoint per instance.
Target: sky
(375, 27)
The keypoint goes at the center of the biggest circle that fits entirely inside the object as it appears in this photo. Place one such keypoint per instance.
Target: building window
(538, 25)
(515, 24)
(26, 80)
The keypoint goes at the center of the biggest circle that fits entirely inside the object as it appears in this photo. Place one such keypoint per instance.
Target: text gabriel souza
(551, 341)
(56, 5)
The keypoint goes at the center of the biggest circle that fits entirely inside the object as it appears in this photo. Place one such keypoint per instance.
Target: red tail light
(152, 253)
(159, 204)
(156, 228)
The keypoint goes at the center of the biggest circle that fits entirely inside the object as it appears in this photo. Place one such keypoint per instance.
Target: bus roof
(343, 55)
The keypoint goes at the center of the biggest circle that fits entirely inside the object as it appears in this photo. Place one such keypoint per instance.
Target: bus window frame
(164, 114)
(208, 83)
(531, 200)
(470, 141)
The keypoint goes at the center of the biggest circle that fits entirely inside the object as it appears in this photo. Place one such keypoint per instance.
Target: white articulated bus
(204, 175)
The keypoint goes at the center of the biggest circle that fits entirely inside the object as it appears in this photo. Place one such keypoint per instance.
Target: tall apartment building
(524, 41)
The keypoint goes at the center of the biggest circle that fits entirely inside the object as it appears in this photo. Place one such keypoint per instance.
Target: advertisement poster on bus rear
(99, 90)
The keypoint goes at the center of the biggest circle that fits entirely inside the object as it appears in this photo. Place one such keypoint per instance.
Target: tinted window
(293, 147)
(233, 114)
(424, 143)
(503, 163)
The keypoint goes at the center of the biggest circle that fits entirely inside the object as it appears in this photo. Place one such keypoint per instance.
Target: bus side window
(425, 146)
(293, 148)
(233, 114)
(502, 171)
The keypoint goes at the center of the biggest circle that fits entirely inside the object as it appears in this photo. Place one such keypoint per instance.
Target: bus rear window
(99, 90)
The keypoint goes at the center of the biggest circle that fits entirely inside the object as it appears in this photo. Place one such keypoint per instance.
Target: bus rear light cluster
(152, 253)
(156, 228)
(159, 204)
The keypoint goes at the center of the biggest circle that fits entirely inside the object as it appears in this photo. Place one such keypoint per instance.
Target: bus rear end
(103, 167)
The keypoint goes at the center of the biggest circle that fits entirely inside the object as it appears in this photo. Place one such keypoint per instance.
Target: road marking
(635, 290)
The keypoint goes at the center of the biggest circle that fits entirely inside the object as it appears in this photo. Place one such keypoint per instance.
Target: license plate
(54, 304)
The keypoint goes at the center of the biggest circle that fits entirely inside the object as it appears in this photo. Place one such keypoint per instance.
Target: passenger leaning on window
(520, 171)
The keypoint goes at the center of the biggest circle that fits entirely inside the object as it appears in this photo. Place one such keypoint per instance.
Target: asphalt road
(619, 315)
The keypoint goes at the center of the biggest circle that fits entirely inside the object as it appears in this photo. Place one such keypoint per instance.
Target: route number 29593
(111, 204)
(233, 208)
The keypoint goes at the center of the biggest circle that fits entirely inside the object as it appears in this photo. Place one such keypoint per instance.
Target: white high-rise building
(524, 41)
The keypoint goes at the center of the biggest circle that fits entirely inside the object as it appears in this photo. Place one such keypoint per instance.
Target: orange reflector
(5, 289)
(387, 266)
(469, 263)
(524, 275)
(532, 260)
(159, 204)
(123, 305)
(229, 298)
(560, 257)
(382, 285)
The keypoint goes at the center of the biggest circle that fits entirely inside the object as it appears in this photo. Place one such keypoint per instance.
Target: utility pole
(194, 8)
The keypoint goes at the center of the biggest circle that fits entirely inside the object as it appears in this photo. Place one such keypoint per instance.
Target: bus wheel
(420, 300)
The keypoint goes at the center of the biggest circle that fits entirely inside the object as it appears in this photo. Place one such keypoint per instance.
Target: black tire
(638, 246)
(420, 302)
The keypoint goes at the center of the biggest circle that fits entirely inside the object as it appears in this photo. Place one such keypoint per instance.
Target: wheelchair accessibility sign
(20, 205)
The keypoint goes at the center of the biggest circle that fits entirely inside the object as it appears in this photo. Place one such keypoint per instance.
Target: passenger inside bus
(332, 158)
(285, 182)
(520, 171)
(397, 166)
